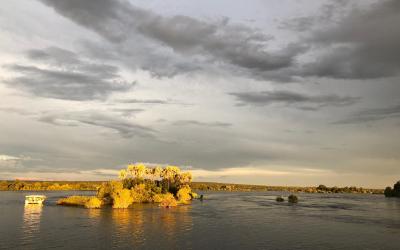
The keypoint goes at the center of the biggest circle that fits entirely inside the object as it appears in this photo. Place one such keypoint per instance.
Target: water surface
(222, 221)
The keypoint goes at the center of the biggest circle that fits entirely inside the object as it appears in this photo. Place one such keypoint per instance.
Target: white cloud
(9, 158)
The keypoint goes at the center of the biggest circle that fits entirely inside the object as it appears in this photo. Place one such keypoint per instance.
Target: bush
(93, 202)
(388, 192)
(393, 192)
(194, 195)
(293, 198)
(74, 200)
(104, 190)
(184, 194)
(140, 194)
(158, 198)
(122, 198)
(279, 199)
(168, 200)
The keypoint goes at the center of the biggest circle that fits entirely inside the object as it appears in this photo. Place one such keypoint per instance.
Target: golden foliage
(93, 202)
(184, 194)
(122, 198)
(122, 174)
(74, 200)
(140, 194)
(168, 200)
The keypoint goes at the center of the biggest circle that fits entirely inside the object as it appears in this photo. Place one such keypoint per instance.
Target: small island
(167, 186)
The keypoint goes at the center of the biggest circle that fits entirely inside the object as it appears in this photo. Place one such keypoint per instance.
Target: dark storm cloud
(365, 44)
(199, 123)
(124, 127)
(120, 22)
(372, 115)
(293, 98)
(66, 76)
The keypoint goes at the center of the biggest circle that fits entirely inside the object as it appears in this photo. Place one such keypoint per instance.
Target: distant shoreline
(202, 186)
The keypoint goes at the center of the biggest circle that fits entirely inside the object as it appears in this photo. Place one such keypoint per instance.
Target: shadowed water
(222, 221)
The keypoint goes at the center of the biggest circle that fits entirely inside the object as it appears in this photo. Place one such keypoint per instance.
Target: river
(224, 220)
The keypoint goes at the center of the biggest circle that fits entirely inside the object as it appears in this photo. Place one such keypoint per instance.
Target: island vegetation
(138, 183)
(393, 192)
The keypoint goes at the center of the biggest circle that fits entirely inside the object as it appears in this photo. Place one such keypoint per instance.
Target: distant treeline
(18, 185)
(203, 186)
(212, 186)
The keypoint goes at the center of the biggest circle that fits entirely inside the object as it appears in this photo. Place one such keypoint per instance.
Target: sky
(278, 92)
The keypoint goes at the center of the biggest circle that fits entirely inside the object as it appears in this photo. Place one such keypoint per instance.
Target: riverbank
(202, 186)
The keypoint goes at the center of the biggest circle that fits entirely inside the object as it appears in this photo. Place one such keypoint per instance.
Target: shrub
(122, 198)
(293, 198)
(396, 189)
(279, 199)
(168, 200)
(74, 200)
(141, 194)
(104, 190)
(93, 202)
(388, 192)
(393, 192)
(194, 195)
(158, 198)
(184, 194)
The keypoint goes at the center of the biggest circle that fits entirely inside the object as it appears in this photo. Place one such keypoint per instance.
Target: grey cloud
(302, 101)
(125, 128)
(144, 101)
(152, 101)
(372, 115)
(16, 111)
(364, 44)
(66, 76)
(220, 42)
(127, 111)
(330, 12)
(199, 123)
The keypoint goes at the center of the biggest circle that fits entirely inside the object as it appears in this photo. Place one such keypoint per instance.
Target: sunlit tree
(156, 172)
(185, 178)
(122, 174)
(140, 170)
(131, 170)
(136, 170)
(169, 173)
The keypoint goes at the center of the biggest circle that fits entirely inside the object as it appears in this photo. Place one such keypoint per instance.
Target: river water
(224, 220)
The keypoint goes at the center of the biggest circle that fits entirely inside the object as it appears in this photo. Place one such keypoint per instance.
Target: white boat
(34, 199)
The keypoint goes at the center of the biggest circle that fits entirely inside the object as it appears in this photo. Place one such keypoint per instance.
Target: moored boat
(35, 199)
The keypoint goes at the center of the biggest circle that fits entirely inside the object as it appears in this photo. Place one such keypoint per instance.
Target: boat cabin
(34, 199)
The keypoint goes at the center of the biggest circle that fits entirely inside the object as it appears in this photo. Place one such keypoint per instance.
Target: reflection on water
(173, 217)
(31, 225)
(135, 225)
(94, 213)
(129, 225)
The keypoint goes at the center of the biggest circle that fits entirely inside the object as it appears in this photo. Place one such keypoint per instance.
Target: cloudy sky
(279, 92)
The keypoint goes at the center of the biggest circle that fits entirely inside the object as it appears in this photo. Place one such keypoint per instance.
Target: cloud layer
(293, 98)
(63, 75)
